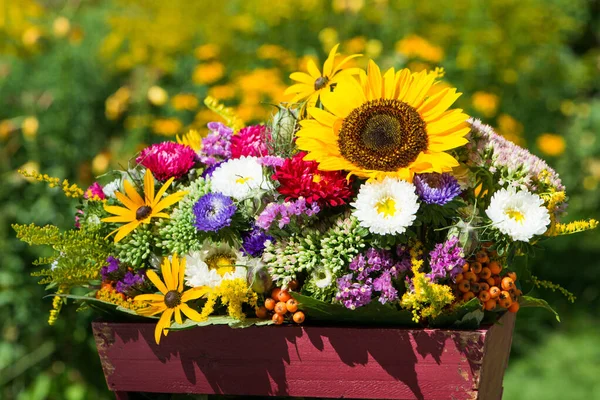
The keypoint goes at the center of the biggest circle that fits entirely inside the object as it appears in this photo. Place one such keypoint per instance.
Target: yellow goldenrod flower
(551, 144)
(140, 210)
(310, 86)
(573, 227)
(171, 301)
(385, 125)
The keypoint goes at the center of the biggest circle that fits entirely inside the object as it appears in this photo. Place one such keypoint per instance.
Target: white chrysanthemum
(214, 263)
(386, 207)
(322, 277)
(239, 178)
(520, 215)
(110, 188)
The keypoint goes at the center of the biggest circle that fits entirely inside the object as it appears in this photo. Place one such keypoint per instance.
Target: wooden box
(307, 361)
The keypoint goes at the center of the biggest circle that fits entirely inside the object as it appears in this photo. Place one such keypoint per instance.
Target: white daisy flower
(386, 207)
(110, 188)
(214, 263)
(520, 215)
(240, 178)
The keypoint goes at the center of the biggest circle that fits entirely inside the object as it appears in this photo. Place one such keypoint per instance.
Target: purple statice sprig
(111, 270)
(216, 146)
(213, 211)
(284, 213)
(446, 260)
(436, 188)
(132, 283)
(373, 274)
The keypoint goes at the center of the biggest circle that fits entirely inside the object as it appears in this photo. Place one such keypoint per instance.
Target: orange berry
(275, 294)
(497, 280)
(490, 304)
(468, 296)
(485, 273)
(291, 305)
(293, 285)
(507, 283)
(459, 278)
(484, 296)
(476, 267)
(298, 317)
(466, 267)
(482, 257)
(475, 287)
(270, 304)
(262, 313)
(512, 275)
(280, 308)
(505, 300)
(495, 292)
(484, 286)
(491, 281)
(284, 295)
(470, 277)
(464, 286)
(514, 307)
(495, 267)
(277, 319)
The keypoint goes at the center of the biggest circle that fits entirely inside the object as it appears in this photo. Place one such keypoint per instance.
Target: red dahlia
(299, 178)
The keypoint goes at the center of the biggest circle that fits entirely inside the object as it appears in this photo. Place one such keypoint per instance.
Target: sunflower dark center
(382, 135)
(321, 82)
(172, 298)
(142, 213)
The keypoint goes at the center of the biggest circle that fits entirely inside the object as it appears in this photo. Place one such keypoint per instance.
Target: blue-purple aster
(213, 211)
(446, 260)
(253, 242)
(436, 188)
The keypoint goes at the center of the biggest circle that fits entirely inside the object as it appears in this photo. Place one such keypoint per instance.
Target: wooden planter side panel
(369, 363)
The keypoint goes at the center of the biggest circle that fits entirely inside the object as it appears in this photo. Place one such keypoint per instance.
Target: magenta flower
(167, 160)
(250, 141)
(94, 192)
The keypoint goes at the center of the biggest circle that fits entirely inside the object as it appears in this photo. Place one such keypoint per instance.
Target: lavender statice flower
(216, 146)
(383, 284)
(404, 263)
(446, 259)
(129, 281)
(283, 213)
(271, 161)
(436, 188)
(353, 294)
(213, 211)
(253, 242)
(112, 267)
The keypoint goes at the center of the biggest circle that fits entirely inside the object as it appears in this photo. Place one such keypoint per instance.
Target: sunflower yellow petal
(120, 218)
(403, 85)
(328, 65)
(122, 211)
(167, 275)
(451, 143)
(126, 230)
(153, 276)
(132, 194)
(313, 70)
(163, 323)
(375, 83)
(127, 202)
(194, 293)
(161, 192)
(149, 297)
(299, 88)
(182, 263)
(169, 201)
(178, 318)
(322, 116)
(438, 103)
(175, 272)
(303, 78)
(390, 81)
(347, 96)
(190, 313)
(345, 61)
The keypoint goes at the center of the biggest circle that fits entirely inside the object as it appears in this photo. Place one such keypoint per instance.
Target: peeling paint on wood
(307, 361)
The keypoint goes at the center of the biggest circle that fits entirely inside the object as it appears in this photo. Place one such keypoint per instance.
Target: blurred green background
(85, 83)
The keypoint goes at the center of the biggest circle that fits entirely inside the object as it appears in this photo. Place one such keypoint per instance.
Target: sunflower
(172, 299)
(392, 125)
(140, 210)
(311, 85)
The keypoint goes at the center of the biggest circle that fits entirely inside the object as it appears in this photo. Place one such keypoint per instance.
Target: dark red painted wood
(369, 363)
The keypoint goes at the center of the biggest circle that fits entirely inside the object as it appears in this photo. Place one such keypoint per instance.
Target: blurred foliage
(83, 84)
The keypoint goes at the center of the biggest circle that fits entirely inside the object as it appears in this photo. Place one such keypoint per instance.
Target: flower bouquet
(366, 201)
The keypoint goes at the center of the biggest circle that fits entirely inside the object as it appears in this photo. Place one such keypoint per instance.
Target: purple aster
(216, 146)
(113, 266)
(446, 259)
(436, 188)
(213, 211)
(129, 282)
(253, 242)
(207, 173)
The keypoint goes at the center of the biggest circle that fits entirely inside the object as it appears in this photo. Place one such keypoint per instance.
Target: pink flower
(94, 192)
(167, 160)
(250, 141)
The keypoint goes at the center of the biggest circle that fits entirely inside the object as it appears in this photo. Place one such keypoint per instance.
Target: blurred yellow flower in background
(414, 46)
(353, 6)
(551, 144)
(208, 73)
(486, 103)
(30, 126)
(61, 27)
(207, 51)
(100, 163)
(185, 101)
(167, 126)
(222, 92)
(117, 103)
(157, 96)
(510, 128)
(6, 128)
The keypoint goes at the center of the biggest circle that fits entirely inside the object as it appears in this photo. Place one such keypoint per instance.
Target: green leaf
(374, 313)
(103, 307)
(528, 301)
(464, 316)
(520, 266)
(221, 320)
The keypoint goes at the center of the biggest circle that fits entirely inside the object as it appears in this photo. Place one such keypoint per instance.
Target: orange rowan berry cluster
(279, 307)
(481, 278)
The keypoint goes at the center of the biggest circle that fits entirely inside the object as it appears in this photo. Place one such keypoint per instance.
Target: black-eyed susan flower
(171, 301)
(310, 85)
(392, 125)
(140, 210)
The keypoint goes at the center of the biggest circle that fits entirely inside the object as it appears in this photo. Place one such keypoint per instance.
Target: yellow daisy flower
(140, 210)
(172, 299)
(311, 85)
(392, 125)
